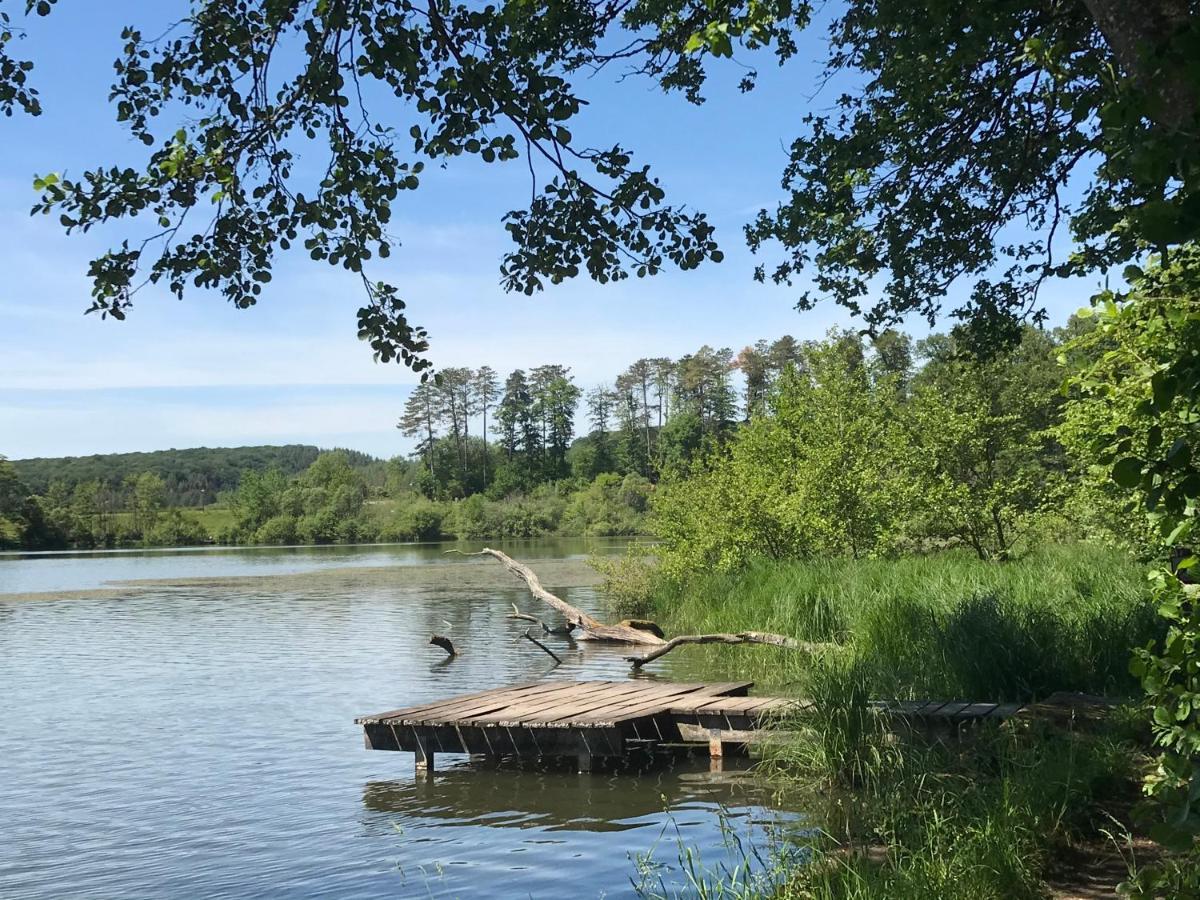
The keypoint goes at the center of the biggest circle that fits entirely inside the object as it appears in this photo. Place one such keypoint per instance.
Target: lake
(180, 724)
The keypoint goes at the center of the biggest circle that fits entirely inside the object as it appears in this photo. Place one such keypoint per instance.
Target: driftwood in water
(530, 637)
(744, 637)
(629, 631)
(440, 640)
(589, 628)
(546, 629)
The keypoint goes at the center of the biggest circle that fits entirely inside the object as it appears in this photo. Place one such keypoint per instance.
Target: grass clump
(903, 813)
(908, 815)
(947, 625)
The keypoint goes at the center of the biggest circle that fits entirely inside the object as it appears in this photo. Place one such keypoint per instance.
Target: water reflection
(517, 829)
(554, 797)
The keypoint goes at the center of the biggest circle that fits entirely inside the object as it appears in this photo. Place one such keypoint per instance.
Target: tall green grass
(905, 814)
(1062, 618)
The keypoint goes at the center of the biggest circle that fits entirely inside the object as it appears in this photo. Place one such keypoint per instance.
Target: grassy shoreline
(998, 813)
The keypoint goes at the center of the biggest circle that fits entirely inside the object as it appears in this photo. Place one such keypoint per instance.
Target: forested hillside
(191, 477)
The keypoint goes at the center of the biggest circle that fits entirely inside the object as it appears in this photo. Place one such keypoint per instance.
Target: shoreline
(468, 574)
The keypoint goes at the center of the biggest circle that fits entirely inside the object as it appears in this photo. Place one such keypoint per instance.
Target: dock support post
(424, 756)
(585, 763)
(716, 748)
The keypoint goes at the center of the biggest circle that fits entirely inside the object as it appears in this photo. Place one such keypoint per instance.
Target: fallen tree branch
(440, 640)
(546, 629)
(590, 629)
(526, 617)
(744, 637)
(530, 637)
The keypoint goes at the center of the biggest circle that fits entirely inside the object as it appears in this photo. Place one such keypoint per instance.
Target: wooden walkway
(590, 720)
(597, 720)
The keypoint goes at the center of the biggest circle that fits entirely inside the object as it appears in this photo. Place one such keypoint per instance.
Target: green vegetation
(966, 142)
(1061, 618)
(875, 450)
(193, 477)
(945, 526)
(990, 814)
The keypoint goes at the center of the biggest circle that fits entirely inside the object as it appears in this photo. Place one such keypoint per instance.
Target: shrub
(277, 530)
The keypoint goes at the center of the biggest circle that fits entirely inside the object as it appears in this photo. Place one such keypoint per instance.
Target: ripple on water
(200, 742)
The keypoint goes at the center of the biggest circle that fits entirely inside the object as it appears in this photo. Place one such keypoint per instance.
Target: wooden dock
(594, 721)
(590, 720)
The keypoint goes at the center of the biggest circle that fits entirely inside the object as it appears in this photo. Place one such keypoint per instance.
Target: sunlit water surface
(194, 741)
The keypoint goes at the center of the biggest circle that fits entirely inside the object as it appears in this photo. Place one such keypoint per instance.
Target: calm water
(199, 742)
(77, 571)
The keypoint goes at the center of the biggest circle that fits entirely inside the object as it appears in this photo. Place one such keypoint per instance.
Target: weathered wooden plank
(978, 710)
(625, 695)
(733, 705)
(650, 700)
(902, 708)
(948, 710)
(930, 708)
(454, 707)
(453, 710)
(650, 703)
(628, 692)
(1006, 711)
(562, 705)
(410, 710)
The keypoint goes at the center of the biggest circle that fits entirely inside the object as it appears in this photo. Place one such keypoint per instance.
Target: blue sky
(198, 372)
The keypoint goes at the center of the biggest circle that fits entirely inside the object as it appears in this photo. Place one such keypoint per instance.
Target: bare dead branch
(744, 637)
(590, 629)
(530, 637)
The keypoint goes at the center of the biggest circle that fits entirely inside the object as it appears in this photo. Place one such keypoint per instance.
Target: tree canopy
(971, 136)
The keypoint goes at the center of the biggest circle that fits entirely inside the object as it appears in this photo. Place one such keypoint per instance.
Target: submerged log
(440, 640)
(555, 656)
(628, 631)
(546, 629)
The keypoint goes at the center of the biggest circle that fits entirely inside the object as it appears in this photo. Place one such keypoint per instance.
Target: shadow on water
(554, 797)
(629, 832)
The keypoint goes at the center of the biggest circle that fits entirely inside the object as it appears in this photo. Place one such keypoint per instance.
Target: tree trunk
(485, 447)
(1141, 36)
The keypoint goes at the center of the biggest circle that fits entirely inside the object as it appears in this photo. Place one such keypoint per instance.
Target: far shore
(464, 574)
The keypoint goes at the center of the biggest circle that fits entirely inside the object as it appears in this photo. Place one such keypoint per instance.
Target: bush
(420, 520)
(277, 530)
(609, 506)
(535, 515)
(10, 534)
(175, 529)
(630, 582)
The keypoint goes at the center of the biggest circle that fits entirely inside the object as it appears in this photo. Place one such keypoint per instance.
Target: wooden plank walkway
(587, 719)
(595, 720)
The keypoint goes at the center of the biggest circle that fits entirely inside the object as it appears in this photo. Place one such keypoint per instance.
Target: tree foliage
(1144, 390)
(862, 452)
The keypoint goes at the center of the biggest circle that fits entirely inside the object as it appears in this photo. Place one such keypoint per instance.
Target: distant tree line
(476, 434)
(191, 477)
(785, 448)
(122, 499)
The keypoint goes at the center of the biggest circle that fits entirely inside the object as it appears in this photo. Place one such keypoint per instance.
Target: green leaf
(1133, 273)
(1179, 455)
(1127, 472)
